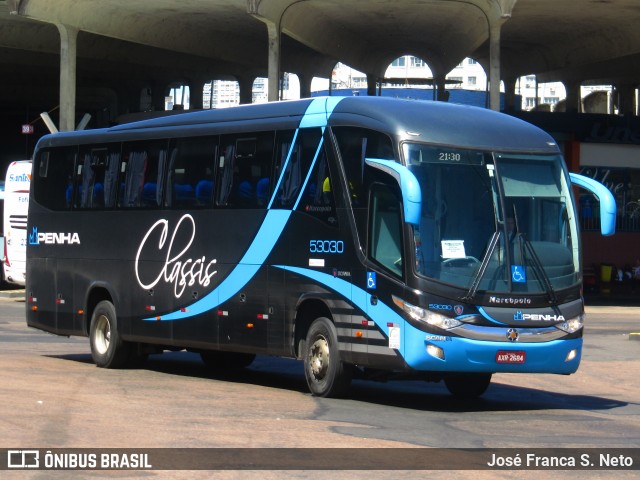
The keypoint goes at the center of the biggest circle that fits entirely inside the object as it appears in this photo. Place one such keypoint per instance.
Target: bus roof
(416, 120)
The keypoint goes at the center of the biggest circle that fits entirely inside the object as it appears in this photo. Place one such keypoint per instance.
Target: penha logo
(52, 238)
(537, 317)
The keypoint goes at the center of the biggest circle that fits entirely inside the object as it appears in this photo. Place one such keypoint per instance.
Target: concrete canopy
(124, 45)
(540, 35)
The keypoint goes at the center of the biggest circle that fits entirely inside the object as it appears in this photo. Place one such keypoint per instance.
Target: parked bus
(2, 229)
(16, 207)
(366, 236)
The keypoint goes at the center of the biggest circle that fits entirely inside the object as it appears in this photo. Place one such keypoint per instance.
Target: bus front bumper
(455, 354)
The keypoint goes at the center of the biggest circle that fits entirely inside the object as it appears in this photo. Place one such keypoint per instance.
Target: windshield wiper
(475, 284)
(493, 242)
(538, 268)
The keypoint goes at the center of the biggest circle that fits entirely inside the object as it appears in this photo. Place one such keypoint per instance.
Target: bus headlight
(426, 316)
(572, 325)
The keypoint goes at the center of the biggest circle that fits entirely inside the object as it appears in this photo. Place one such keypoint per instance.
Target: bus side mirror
(409, 186)
(607, 201)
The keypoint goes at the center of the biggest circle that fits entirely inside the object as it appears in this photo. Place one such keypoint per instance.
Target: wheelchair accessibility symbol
(371, 280)
(518, 274)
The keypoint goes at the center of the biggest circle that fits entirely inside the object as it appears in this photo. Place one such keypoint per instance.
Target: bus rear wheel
(107, 347)
(468, 385)
(326, 374)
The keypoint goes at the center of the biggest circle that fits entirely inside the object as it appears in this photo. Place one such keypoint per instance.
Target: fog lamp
(435, 351)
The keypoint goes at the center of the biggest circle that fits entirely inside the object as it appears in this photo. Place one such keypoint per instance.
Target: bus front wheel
(326, 374)
(107, 347)
(468, 385)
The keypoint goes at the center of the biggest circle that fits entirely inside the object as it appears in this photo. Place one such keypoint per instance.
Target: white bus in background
(16, 206)
(2, 228)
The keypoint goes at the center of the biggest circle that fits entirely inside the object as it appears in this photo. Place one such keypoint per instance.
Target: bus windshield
(494, 222)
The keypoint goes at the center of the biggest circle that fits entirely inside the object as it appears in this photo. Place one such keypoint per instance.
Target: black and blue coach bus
(370, 236)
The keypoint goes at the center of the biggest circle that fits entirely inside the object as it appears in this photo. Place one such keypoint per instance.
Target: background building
(406, 72)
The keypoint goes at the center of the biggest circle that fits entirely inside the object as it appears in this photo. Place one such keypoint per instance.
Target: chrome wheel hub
(319, 358)
(102, 335)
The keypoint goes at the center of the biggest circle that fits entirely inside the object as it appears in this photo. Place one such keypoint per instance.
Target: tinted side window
(97, 177)
(190, 181)
(244, 170)
(297, 155)
(355, 144)
(142, 174)
(318, 198)
(53, 178)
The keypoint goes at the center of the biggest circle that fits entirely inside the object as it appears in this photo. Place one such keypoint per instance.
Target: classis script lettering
(178, 269)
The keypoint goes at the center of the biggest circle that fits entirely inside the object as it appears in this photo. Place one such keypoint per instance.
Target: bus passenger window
(53, 179)
(355, 145)
(244, 170)
(142, 174)
(225, 174)
(191, 172)
(296, 155)
(317, 199)
(97, 176)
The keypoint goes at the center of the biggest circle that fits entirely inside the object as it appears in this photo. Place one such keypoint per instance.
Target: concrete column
(626, 98)
(494, 65)
(510, 94)
(273, 22)
(372, 82)
(273, 30)
(68, 56)
(573, 100)
(158, 93)
(498, 14)
(305, 85)
(440, 87)
(196, 91)
(246, 89)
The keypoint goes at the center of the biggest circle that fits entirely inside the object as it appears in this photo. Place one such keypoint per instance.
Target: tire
(326, 374)
(107, 348)
(136, 360)
(468, 385)
(226, 360)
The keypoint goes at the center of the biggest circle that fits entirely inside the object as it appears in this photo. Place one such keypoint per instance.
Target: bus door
(374, 198)
(390, 198)
(385, 271)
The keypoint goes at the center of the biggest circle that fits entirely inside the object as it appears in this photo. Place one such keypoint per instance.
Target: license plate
(504, 356)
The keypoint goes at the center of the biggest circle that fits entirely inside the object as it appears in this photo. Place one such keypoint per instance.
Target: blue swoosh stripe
(381, 314)
(316, 115)
(488, 317)
(283, 169)
(313, 164)
(258, 251)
